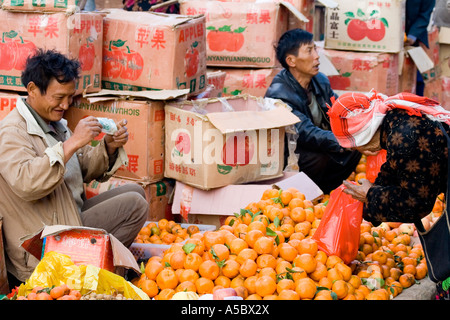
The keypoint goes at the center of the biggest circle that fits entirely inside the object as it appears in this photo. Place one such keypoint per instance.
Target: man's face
(51, 105)
(307, 60)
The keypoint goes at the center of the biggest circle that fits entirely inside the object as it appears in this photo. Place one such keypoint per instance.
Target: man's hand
(86, 130)
(118, 139)
(358, 192)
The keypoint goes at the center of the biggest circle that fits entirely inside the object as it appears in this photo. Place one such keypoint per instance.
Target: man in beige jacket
(43, 166)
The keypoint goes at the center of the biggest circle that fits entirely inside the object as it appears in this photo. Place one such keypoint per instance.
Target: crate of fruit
(156, 237)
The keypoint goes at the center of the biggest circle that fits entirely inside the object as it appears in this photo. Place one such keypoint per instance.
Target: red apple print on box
(341, 82)
(238, 150)
(14, 52)
(86, 55)
(192, 60)
(182, 144)
(360, 26)
(225, 38)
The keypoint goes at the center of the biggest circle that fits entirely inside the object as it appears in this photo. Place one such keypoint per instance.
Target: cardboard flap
(230, 199)
(294, 11)
(106, 94)
(444, 35)
(328, 3)
(122, 256)
(228, 122)
(326, 66)
(149, 18)
(421, 59)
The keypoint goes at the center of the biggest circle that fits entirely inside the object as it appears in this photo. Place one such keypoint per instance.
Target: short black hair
(290, 42)
(44, 65)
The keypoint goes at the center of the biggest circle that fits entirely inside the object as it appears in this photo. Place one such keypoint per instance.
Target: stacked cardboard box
(79, 35)
(241, 37)
(145, 116)
(148, 51)
(364, 41)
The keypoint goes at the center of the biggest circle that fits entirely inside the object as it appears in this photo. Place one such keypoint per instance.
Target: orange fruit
(186, 286)
(344, 269)
(221, 251)
(212, 237)
(306, 261)
(319, 272)
(303, 227)
(167, 279)
(237, 281)
(252, 236)
(165, 294)
(241, 230)
(287, 252)
(321, 256)
(152, 268)
(250, 284)
(288, 294)
(265, 285)
(248, 268)
(285, 284)
(332, 260)
(325, 282)
(286, 197)
(325, 295)
(237, 245)
(222, 281)
(421, 271)
(266, 260)
(231, 268)
(340, 288)
(241, 292)
(188, 275)
(192, 261)
(306, 288)
(245, 254)
(177, 260)
(204, 285)
(269, 194)
(209, 269)
(307, 245)
(298, 214)
(263, 245)
(406, 280)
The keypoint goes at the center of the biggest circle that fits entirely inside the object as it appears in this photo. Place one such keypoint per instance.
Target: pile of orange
(165, 232)
(266, 252)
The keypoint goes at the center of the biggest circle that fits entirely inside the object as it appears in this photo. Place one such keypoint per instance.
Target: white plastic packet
(108, 125)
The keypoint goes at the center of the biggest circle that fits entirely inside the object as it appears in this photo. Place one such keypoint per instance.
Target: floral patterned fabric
(414, 173)
(145, 5)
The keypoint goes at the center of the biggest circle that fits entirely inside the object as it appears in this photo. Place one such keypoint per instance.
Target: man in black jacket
(307, 92)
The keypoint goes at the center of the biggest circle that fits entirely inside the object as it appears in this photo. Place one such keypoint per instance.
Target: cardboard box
(216, 78)
(84, 246)
(408, 74)
(78, 35)
(248, 81)
(214, 206)
(242, 34)
(366, 25)
(147, 51)
(445, 99)
(212, 143)
(433, 90)
(41, 6)
(7, 102)
(143, 251)
(157, 194)
(145, 122)
(444, 51)
(4, 286)
(433, 54)
(362, 71)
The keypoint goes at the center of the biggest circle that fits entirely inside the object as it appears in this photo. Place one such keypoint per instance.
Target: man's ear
(290, 60)
(32, 89)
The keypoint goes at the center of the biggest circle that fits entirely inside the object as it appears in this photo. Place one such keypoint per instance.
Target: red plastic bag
(373, 165)
(339, 229)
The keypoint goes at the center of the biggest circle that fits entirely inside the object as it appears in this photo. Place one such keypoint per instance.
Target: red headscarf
(355, 117)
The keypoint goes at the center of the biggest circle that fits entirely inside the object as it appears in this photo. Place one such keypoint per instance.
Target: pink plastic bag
(339, 229)
(373, 165)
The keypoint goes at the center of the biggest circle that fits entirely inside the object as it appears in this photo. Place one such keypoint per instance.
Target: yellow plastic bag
(55, 269)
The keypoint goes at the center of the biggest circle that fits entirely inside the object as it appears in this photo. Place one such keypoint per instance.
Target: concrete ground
(424, 289)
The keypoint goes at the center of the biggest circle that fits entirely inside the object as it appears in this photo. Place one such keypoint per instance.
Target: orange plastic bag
(339, 229)
(373, 165)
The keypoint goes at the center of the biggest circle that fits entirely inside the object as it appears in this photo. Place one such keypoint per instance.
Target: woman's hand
(358, 192)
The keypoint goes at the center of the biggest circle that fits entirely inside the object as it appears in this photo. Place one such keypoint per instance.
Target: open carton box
(214, 206)
(212, 143)
(84, 245)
